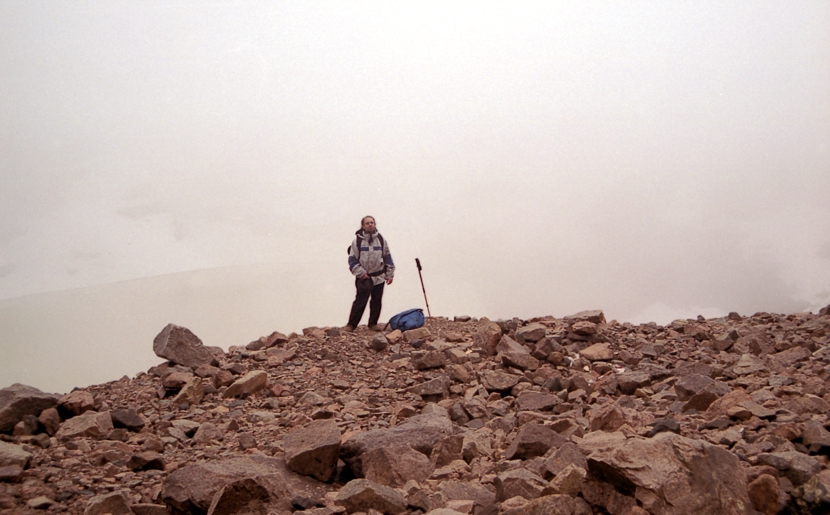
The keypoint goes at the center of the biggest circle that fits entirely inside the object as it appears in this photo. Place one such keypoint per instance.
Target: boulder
(362, 495)
(206, 433)
(19, 400)
(748, 364)
(394, 466)
(477, 444)
(459, 491)
(420, 432)
(313, 450)
(90, 425)
(429, 360)
(251, 382)
(181, 346)
(11, 454)
(192, 488)
(50, 419)
(518, 482)
(115, 503)
(487, 336)
(521, 360)
(76, 403)
(594, 316)
(597, 352)
(795, 466)
(192, 392)
(147, 460)
(496, 381)
(533, 440)
(438, 387)
(128, 419)
(531, 333)
(247, 495)
(673, 475)
(537, 401)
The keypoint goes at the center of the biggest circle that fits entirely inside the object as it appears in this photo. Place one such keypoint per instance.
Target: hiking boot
(376, 328)
(348, 329)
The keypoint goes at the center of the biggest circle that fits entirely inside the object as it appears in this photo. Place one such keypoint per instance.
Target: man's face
(369, 225)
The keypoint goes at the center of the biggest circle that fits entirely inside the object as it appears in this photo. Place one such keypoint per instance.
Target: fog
(207, 164)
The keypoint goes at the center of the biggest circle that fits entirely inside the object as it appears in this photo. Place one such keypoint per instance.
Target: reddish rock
(181, 346)
(76, 403)
(313, 450)
(533, 440)
(764, 493)
(394, 466)
(671, 475)
(19, 400)
(249, 383)
(50, 420)
(91, 425)
(364, 495)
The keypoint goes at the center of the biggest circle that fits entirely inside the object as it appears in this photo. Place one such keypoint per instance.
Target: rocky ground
(567, 416)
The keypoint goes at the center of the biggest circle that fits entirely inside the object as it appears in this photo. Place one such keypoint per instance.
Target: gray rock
(181, 346)
(379, 343)
(19, 400)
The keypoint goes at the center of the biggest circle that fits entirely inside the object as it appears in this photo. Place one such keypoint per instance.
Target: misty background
(207, 164)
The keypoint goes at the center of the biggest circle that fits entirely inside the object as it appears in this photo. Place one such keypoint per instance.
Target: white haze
(206, 164)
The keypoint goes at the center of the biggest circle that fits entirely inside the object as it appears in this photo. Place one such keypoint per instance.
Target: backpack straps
(382, 248)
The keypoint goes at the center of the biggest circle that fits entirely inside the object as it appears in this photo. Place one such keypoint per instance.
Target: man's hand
(389, 281)
(364, 276)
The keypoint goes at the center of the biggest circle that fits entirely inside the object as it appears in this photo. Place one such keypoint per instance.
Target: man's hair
(364, 219)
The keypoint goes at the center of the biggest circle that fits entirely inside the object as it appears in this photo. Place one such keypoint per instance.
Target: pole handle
(418, 264)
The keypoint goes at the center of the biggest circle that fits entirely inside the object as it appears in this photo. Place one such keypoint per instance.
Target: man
(372, 265)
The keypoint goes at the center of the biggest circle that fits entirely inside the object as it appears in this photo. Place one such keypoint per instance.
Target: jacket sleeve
(354, 265)
(387, 260)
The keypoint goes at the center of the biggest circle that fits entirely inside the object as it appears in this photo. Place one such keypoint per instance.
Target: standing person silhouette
(371, 264)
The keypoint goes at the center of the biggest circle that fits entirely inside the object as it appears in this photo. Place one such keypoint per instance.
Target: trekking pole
(418, 264)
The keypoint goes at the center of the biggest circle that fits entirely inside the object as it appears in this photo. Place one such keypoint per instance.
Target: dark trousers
(366, 289)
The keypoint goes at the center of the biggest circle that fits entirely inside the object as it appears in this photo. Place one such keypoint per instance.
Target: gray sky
(207, 164)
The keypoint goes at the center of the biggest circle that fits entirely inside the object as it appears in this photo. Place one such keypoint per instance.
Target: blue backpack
(406, 320)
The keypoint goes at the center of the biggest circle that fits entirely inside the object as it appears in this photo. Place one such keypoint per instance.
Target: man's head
(368, 224)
